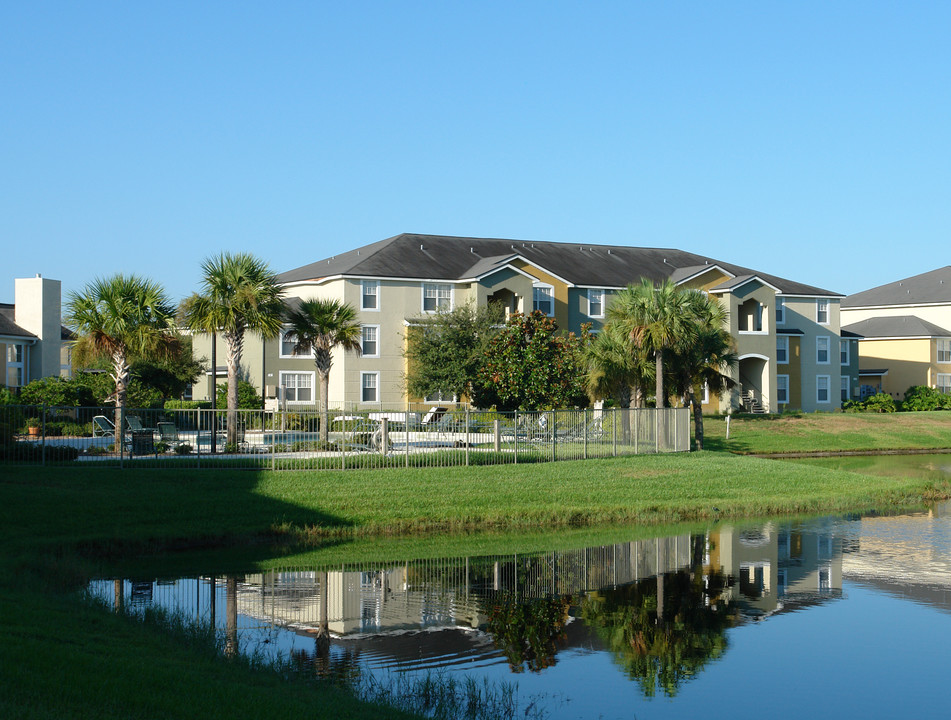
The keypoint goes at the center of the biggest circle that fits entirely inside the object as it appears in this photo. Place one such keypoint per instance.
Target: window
(782, 389)
(287, 347)
(371, 344)
(370, 294)
(369, 387)
(822, 312)
(436, 297)
(297, 387)
(822, 349)
(782, 349)
(705, 394)
(944, 383)
(780, 310)
(846, 381)
(843, 352)
(543, 300)
(15, 365)
(944, 351)
(596, 303)
(822, 388)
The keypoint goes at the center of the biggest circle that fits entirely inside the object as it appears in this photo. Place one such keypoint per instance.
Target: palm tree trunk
(659, 388)
(235, 343)
(697, 420)
(121, 376)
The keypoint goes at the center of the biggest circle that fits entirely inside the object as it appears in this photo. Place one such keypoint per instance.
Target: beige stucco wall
(940, 315)
(908, 361)
(38, 310)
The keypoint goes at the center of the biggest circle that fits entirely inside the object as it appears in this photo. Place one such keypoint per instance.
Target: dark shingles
(439, 257)
(930, 287)
(899, 326)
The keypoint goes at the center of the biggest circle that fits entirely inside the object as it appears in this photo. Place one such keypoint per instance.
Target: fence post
(406, 427)
(636, 413)
(614, 429)
(43, 438)
(384, 436)
(467, 435)
(497, 434)
(584, 433)
(119, 436)
(516, 437)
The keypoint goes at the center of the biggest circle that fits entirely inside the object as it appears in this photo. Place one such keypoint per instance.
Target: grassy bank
(830, 432)
(63, 659)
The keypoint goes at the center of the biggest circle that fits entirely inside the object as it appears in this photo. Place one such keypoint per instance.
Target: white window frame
(943, 382)
(313, 386)
(705, 394)
(436, 289)
(846, 350)
(16, 363)
(363, 340)
(548, 290)
(845, 385)
(828, 389)
(365, 286)
(376, 385)
(782, 343)
(822, 306)
(780, 310)
(944, 349)
(828, 343)
(599, 293)
(780, 389)
(292, 355)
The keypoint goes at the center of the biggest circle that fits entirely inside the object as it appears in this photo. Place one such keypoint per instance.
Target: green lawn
(830, 432)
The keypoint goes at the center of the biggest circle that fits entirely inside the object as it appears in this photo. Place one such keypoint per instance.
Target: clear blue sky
(810, 140)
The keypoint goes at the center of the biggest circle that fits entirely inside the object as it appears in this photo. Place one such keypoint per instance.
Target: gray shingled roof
(438, 257)
(929, 287)
(899, 326)
(8, 327)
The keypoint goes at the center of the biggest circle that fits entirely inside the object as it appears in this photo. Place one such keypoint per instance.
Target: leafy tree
(239, 292)
(657, 319)
(121, 319)
(248, 397)
(56, 391)
(705, 359)
(529, 366)
(446, 349)
(319, 327)
(171, 375)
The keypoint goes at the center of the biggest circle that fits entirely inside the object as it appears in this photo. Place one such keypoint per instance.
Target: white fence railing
(291, 440)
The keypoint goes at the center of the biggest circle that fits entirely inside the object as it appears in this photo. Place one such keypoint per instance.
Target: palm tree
(239, 293)
(120, 319)
(706, 360)
(619, 370)
(657, 320)
(318, 327)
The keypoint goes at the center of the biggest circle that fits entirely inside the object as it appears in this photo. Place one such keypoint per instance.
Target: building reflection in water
(660, 606)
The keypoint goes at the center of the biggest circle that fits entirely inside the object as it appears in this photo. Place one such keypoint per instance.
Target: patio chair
(103, 427)
(168, 433)
(133, 423)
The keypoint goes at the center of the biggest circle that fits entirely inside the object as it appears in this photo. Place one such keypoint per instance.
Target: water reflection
(660, 607)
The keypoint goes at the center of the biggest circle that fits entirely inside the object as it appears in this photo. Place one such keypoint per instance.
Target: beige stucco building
(906, 333)
(31, 333)
(787, 333)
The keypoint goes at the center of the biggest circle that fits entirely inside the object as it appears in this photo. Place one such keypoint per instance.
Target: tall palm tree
(706, 360)
(657, 320)
(120, 319)
(239, 292)
(318, 327)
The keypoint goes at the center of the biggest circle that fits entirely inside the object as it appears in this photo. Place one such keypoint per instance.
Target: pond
(840, 617)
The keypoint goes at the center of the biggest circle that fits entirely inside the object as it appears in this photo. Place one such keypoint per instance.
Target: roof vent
(472, 250)
(609, 251)
(421, 247)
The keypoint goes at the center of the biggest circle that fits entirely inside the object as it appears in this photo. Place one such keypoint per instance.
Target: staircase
(752, 405)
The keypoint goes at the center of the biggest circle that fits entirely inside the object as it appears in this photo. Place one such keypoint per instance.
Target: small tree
(120, 319)
(446, 349)
(529, 366)
(319, 327)
(239, 293)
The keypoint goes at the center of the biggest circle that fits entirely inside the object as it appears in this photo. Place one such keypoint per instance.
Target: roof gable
(901, 326)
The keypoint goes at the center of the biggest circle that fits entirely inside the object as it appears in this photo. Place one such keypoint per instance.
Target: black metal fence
(289, 440)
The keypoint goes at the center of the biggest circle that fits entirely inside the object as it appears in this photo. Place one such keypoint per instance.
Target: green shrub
(188, 404)
(248, 398)
(33, 452)
(183, 449)
(880, 402)
(920, 398)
